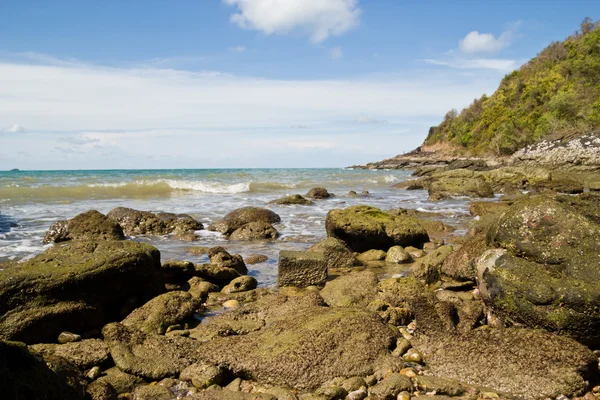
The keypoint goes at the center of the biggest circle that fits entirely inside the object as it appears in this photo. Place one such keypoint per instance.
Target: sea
(30, 201)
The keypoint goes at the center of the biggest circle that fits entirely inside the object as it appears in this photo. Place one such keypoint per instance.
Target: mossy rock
(336, 253)
(356, 289)
(544, 269)
(293, 199)
(76, 287)
(458, 183)
(90, 225)
(255, 231)
(363, 228)
(242, 216)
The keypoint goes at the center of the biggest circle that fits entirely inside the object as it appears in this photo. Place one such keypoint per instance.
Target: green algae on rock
(90, 225)
(76, 287)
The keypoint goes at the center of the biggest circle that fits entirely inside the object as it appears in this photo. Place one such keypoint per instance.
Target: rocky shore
(509, 310)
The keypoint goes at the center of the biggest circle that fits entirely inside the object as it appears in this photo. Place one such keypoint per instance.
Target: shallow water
(30, 201)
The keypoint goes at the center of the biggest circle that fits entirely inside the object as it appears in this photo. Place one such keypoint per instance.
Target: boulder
(242, 216)
(85, 354)
(391, 386)
(147, 355)
(122, 382)
(428, 268)
(162, 311)
(76, 287)
(299, 343)
(542, 266)
(364, 228)
(336, 253)
(255, 231)
(136, 222)
(176, 271)
(215, 274)
(90, 225)
(200, 288)
(371, 255)
(241, 284)
(219, 257)
(301, 269)
(458, 182)
(294, 199)
(356, 289)
(483, 208)
(25, 376)
(318, 193)
(460, 265)
(397, 255)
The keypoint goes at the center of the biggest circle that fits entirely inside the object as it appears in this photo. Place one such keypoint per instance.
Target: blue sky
(251, 83)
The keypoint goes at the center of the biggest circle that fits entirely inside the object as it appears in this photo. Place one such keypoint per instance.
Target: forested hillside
(555, 95)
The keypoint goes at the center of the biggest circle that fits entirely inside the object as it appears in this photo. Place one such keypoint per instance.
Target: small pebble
(405, 334)
(489, 395)
(359, 394)
(413, 356)
(402, 346)
(94, 373)
(403, 396)
(408, 372)
(231, 304)
(68, 337)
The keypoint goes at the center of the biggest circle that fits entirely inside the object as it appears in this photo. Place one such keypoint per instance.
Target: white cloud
(318, 19)
(336, 53)
(363, 119)
(476, 42)
(237, 49)
(477, 63)
(14, 128)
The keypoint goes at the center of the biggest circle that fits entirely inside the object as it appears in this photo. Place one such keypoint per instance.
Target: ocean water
(30, 201)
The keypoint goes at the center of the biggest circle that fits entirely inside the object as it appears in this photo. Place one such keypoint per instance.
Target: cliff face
(554, 96)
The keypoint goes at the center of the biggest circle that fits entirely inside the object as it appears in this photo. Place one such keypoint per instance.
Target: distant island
(15, 170)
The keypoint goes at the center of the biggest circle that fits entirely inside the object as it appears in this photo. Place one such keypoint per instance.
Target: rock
(122, 382)
(428, 268)
(413, 356)
(294, 199)
(397, 255)
(219, 257)
(229, 395)
(230, 304)
(336, 253)
(255, 231)
(438, 385)
(364, 228)
(200, 288)
(483, 208)
(332, 392)
(147, 355)
(68, 373)
(354, 383)
(84, 354)
(215, 274)
(301, 269)
(90, 225)
(68, 337)
(162, 311)
(152, 392)
(414, 252)
(203, 375)
(402, 346)
(359, 394)
(136, 222)
(289, 334)
(241, 284)
(242, 216)
(371, 255)
(458, 182)
(74, 287)
(318, 193)
(197, 250)
(176, 271)
(356, 289)
(460, 264)
(543, 270)
(256, 259)
(391, 386)
(101, 390)
(465, 312)
(25, 376)
(94, 372)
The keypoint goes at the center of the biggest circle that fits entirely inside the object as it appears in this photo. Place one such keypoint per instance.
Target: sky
(251, 83)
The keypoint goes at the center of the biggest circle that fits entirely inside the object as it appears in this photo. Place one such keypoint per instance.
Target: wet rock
(301, 269)
(121, 381)
(292, 333)
(26, 376)
(197, 250)
(200, 288)
(356, 289)
(414, 252)
(256, 259)
(336, 253)
(242, 216)
(216, 274)
(413, 356)
(101, 390)
(176, 271)
(371, 255)
(74, 287)
(136, 222)
(428, 268)
(460, 265)
(90, 225)
(391, 386)
(146, 355)
(294, 199)
(458, 182)
(397, 255)
(255, 231)
(364, 228)
(162, 311)
(241, 284)
(543, 270)
(221, 258)
(318, 193)
(203, 375)
(84, 354)
(438, 385)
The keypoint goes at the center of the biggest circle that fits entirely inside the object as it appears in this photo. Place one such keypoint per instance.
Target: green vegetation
(555, 95)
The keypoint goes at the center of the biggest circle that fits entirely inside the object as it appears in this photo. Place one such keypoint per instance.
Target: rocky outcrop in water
(136, 222)
(90, 225)
(239, 220)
